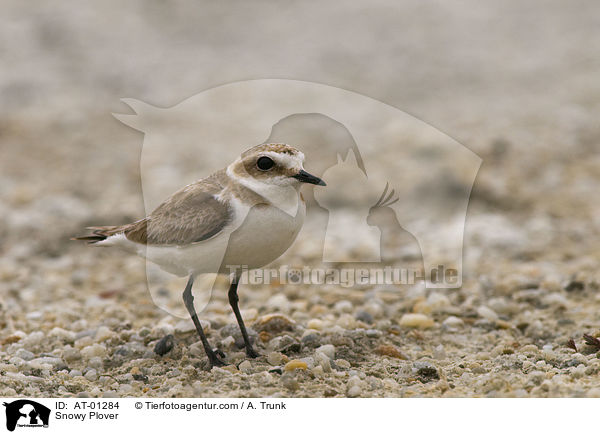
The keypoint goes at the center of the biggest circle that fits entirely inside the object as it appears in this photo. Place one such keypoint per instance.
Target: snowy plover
(245, 215)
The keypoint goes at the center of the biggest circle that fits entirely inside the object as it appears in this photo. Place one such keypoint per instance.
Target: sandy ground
(516, 83)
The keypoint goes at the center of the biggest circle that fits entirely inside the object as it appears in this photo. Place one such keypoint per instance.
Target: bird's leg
(233, 301)
(188, 299)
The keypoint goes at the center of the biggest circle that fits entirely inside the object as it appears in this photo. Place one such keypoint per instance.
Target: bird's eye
(264, 163)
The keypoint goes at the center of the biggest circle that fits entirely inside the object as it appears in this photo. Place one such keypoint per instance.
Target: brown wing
(190, 215)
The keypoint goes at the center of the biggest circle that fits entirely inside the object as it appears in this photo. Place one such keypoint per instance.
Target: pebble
(374, 309)
(353, 392)
(328, 350)
(274, 323)
(289, 381)
(323, 361)
(416, 320)
(275, 358)
(95, 362)
(311, 339)
(233, 330)
(279, 303)
(164, 345)
(295, 364)
(426, 371)
(343, 306)
(245, 367)
(315, 324)
(342, 363)
(354, 387)
(24, 354)
(70, 354)
(285, 344)
(91, 375)
(439, 353)
(34, 339)
(65, 335)
(437, 302)
(487, 313)
(104, 333)
(453, 323)
(364, 316)
(94, 350)
(187, 326)
(346, 321)
(390, 351)
(54, 362)
(229, 341)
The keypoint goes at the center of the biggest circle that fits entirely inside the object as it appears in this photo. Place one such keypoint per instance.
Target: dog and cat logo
(25, 413)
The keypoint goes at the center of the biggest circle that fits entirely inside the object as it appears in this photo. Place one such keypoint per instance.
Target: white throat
(284, 197)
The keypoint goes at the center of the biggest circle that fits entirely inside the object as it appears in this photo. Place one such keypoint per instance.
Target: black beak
(304, 176)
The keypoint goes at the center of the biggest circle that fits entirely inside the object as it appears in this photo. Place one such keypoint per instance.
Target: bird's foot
(216, 358)
(251, 352)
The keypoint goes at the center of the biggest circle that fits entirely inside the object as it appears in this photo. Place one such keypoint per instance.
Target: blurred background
(517, 83)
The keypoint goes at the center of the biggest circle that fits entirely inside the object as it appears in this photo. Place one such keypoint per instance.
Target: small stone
(343, 306)
(275, 359)
(125, 389)
(318, 371)
(285, 344)
(346, 321)
(364, 316)
(342, 363)
(91, 375)
(353, 392)
(103, 334)
(75, 373)
(33, 339)
(229, 341)
(280, 303)
(323, 361)
(64, 335)
(311, 340)
(487, 313)
(390, 351)
(374, 308)
(245, 367)
(315, 324)
(234, 331)
(24, 354)
(437, 302)
(274, 323)
(426, 371)
(295, 364)
(453, 323)
(83, 342)
(165, 345)
(95, 362)
(328, 350)
(416, 320)
(94, 350)
(70, 354)
(289, 382)
(439, 353)
(354, 387)
(187, 326)
(575, 286)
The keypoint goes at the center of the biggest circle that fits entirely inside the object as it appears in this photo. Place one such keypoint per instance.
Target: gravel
(80, 321)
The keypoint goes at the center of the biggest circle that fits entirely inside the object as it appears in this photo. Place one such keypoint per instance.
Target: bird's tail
(99, 233)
